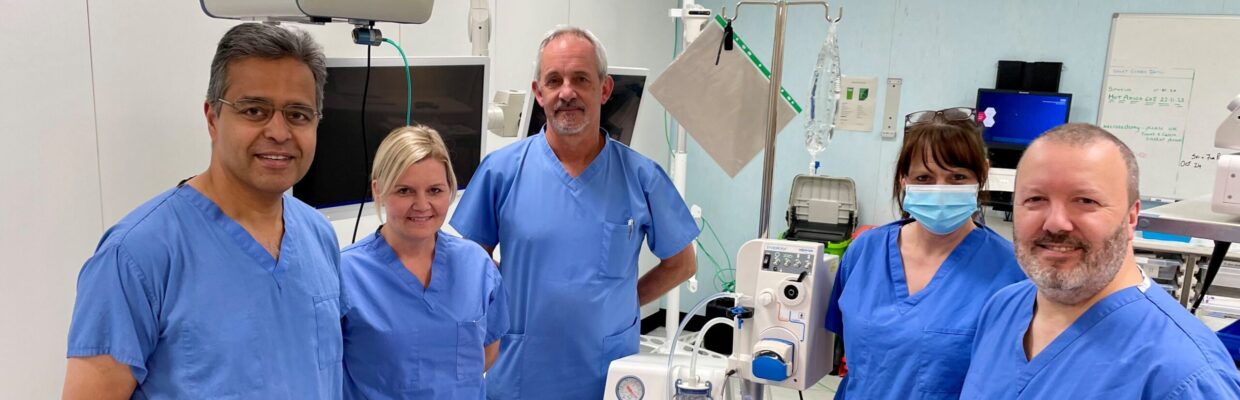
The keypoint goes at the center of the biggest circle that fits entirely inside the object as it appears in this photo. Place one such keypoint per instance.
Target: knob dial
(765, 297)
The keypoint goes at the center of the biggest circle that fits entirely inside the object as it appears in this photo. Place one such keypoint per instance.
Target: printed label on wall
(857, 102)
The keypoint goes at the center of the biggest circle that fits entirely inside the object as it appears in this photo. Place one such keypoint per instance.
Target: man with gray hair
(1088, 323)
(569, 209)
(223, 286)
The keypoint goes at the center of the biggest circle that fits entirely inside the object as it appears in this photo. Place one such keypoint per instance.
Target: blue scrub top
(1132, 344)
(913, 347)
(569, 259)
(198, 309)
(403, 341)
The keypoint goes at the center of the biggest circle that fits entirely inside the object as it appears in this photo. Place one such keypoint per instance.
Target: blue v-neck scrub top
(198, 309)
(404, 341)
(913, 347)
(1137, 343)
(568, 254)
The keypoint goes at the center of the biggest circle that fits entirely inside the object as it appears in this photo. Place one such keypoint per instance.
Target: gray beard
(564, 130)
(1073, 286)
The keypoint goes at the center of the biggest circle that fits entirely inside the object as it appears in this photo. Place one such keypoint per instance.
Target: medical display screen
(1013, 119)
(619, 114)
(448, 98)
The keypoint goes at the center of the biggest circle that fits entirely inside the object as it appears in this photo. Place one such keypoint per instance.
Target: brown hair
(955, 144)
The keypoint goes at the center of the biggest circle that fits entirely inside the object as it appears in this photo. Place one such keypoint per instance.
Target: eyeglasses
(955, 114)
(260, 112)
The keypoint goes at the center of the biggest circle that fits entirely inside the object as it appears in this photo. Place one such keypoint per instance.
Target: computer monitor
(1012, 119)
(449, 95)
(619, 113)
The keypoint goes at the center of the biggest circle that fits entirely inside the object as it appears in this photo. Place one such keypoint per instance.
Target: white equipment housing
(504, 114)
(1227, 185)
(644, 376)
(479, 24)
(785, 343)
(787, 284)
(1226, 199)
(320, 11)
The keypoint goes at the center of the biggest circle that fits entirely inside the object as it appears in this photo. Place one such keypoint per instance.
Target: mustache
(568, 104)
(1058, 239)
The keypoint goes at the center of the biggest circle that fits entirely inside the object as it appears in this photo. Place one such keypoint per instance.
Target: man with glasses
(223, 286)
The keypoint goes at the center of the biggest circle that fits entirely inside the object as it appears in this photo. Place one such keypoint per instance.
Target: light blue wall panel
(943, 50)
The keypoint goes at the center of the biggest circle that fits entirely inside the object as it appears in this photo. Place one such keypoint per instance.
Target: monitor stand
(1004, 157)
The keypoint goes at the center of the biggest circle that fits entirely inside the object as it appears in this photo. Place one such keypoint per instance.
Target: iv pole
(772, 128)
(755, 389)
(692, 16)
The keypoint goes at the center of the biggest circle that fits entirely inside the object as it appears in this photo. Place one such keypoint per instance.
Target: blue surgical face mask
(941, 209)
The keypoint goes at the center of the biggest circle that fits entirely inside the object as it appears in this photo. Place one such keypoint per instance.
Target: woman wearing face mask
(908, 294)
(427, 309)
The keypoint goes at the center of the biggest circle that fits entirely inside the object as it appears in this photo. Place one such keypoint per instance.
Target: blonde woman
(427, 310)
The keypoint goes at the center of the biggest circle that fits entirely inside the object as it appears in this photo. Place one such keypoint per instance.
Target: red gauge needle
(630, 389)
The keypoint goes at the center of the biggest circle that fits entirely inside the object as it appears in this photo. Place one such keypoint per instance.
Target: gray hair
(402, 148)
(267, 42)
(1080, 135)
(600, 54)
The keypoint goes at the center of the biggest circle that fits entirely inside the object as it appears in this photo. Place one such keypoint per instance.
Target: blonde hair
(402, 148)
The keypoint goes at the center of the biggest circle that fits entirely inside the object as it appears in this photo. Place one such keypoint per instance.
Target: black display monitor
(618, 114)
(1012, 119)
(449, 95)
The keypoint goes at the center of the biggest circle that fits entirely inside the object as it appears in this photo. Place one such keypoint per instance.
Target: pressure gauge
(630, 388)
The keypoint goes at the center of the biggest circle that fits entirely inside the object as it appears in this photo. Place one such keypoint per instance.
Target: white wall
(151, 61)
(102, 109)
(50, 179)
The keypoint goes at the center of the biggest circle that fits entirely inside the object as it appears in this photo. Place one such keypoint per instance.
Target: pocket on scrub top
(620, 345)
(330, 340)
(621, 245)
(470, 356)
(944, 359)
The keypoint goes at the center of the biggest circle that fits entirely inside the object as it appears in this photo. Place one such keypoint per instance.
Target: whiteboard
(1165, 90)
